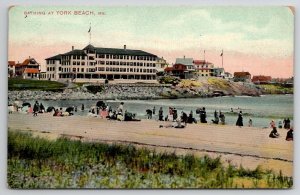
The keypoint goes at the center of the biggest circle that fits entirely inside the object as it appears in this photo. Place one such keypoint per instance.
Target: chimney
(72, 48)
(124, 47)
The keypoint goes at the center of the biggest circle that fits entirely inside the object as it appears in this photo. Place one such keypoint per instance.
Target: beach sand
(246, 146)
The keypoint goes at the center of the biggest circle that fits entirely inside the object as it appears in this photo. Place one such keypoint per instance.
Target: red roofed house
(178, 70)
(261, 79)
(204, 68)
(11, 68)
(242, 76)
(29, 69)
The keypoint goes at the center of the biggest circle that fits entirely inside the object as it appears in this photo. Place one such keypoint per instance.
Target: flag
(221, 53)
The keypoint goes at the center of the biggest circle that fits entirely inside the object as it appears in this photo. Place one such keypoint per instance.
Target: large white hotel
(96, 64)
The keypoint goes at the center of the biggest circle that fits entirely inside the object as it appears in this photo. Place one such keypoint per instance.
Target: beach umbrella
(49, 109)
(69, 109)
(100, 104)
(26, 104)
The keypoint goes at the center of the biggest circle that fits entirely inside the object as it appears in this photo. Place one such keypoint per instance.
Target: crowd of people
(180, 120)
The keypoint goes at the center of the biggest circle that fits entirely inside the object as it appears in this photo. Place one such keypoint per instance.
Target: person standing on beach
(82, 107)
(250, 122)
(273, 133)
(288, 123)
(222, 118)
(36, 108)
(153, 111)
(239, 121)
(203, 115)
(175, 116)
(160, 114)
(216, 119)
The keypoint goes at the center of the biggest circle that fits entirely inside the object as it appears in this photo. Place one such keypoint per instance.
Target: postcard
(150, 97)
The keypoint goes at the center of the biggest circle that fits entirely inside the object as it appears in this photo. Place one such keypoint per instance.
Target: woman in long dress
(239, 121)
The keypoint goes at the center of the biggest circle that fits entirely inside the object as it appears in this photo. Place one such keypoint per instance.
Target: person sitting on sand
(184, 117)
(57, 113)
(120, 109)
(178, 124)
(191, 119)
(280, 125)
(175, 116)
(273, 133)
(290, 135)
(149, 114)
(42, 108)
(239, 121)
(222, 118)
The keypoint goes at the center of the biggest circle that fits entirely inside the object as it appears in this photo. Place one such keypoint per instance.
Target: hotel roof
(57, 57)
(102, 50)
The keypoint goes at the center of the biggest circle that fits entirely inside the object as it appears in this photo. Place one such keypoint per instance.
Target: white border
(4, 4)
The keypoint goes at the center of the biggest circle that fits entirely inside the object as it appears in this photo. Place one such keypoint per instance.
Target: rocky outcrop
(107, 92)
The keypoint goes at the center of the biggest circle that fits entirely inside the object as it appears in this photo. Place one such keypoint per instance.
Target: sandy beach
(246, 146)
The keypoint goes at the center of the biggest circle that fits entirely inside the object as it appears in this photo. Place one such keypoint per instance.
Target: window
(102, 62)
(82, 63)
(59, 69)
(82, 69)
(74, 63)
(78, 63)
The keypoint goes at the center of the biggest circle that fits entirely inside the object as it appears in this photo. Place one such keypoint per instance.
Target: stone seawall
(131, 91)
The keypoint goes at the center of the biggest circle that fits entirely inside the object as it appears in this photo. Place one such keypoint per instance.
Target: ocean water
(260, 109)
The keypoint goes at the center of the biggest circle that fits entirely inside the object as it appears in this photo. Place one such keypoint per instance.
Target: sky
(259, 40)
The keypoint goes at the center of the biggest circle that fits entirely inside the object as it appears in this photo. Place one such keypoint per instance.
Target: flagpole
(90, 31)
(222, 58)
(204, 55)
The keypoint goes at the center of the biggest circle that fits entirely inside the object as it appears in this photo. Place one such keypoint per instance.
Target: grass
(276, 89)
(27, 84)
(39, 163)
(189, 83)
(218, 83)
